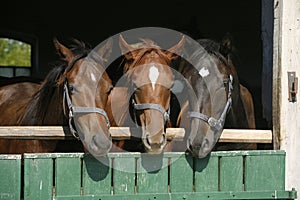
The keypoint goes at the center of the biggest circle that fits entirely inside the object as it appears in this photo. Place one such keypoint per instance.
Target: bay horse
(74, 93)
(14, 96)
(220, 101)
(15, 93)
(18, 79)
(148, 79)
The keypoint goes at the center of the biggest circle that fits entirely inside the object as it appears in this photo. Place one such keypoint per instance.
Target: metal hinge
(293, 86)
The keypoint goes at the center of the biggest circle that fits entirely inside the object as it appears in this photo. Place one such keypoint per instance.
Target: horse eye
(110, 89)
(71, 88)
(225, 83)
(171, 87)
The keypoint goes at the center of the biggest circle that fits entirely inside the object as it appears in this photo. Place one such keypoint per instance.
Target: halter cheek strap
(212, 122)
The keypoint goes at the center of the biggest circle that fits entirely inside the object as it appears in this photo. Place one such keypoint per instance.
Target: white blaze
(153, 75)
(204, 72)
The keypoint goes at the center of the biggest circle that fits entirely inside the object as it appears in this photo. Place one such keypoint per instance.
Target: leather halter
(145, 106)
(77, 109)
(212, 122)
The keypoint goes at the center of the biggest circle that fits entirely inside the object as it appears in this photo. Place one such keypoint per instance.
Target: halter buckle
(214, 123)
(166, 116)
(71, 113)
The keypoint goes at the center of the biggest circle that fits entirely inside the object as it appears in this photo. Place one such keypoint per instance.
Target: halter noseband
(145, 106)
(77, 109)
(212, 122)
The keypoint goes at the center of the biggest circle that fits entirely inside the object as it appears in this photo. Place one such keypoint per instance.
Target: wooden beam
(121, 133)
(246, 136)
(277, 74)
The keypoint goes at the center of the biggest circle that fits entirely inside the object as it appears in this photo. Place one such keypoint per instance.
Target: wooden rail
(120, 133)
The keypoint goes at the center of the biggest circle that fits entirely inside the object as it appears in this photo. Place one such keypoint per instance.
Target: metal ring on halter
(217, 124)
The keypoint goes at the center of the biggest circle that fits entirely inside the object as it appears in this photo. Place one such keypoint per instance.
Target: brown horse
(74, 93)
(13, 99)
(220, 101)
(18, 79)
(148, 79)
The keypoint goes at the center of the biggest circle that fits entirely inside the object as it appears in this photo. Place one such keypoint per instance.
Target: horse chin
(154, 151)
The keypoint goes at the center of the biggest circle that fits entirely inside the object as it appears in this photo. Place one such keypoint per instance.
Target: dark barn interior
(94, 21)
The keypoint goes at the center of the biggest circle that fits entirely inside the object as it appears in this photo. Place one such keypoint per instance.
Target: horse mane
(50, 93)
(37, 107)
(145, 46)
(213, 48)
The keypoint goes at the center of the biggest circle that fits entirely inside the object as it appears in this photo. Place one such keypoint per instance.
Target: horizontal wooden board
(120, 133)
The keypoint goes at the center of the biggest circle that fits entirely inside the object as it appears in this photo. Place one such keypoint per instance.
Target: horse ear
(65, 54)
(174, 51)
(126, 49)
(226, 46)
(106, 50)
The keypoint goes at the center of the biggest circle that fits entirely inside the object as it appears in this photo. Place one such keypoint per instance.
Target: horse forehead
(153, 56)
(153, 74)
(91, 73)
(156, 71)
(91, 70)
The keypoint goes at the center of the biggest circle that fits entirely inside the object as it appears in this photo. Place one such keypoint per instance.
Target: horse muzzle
(154, 144)
(199, 150)
(99, 145)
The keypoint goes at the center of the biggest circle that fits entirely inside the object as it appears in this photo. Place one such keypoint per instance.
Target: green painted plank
(206, 174)
(124, 170)
(38, 178)
(265, 172)
(96, 175)
(10, 177)
(181, 173)
(152, 174)
(53, 155)
(247, 153)
(68, 175)
(231, 173)
(228, 153)
(262, 195)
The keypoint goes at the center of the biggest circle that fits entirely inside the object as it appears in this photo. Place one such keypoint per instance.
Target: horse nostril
(206, 145)
(99, 144)
(147, 142)
(96, 142)
(189, 145)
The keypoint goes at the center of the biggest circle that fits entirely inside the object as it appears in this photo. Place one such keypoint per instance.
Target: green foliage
(14, 53)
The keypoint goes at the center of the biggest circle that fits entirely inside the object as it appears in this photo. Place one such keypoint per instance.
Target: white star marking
(204, 72)
(153, 75)
(93, 77)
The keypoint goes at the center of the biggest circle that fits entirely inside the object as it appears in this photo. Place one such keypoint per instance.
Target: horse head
(150, 78)
(209, 74)
(86, 88)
